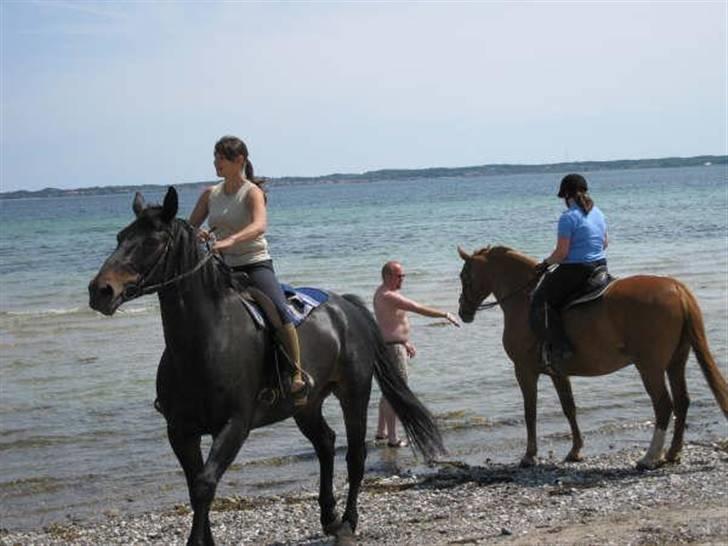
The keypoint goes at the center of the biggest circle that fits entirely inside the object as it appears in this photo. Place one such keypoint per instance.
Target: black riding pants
(263, 277)
(556, 288)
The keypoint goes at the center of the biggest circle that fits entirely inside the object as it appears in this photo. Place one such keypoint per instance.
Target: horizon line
(291, 178)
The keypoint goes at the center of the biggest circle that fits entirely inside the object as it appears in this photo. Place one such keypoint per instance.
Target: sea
(81, 439)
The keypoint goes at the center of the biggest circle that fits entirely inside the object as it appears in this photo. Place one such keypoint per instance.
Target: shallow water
(80, 435)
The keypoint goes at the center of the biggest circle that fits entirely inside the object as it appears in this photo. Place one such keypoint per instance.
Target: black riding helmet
(571, 184)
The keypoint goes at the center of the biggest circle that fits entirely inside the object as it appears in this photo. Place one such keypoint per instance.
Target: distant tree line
(405, 174)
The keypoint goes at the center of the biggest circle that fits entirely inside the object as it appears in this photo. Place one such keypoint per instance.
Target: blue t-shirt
(586, 233)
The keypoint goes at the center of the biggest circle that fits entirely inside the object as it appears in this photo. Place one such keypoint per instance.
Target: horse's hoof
(673, 458)
(528, 461)
(332, 527)
(649, 464)
(574, 458)
(345, 536)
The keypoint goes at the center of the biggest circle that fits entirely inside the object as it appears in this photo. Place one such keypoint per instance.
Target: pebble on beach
(603, 500)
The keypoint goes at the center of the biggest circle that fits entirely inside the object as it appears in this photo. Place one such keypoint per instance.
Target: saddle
(301, 303)
(593, 288)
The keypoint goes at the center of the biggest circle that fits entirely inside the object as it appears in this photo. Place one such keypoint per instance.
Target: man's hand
(410, 348)
(453, 319)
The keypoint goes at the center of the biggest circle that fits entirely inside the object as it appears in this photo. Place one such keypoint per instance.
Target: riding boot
(557, 347)
(561, 348)
(289, 339)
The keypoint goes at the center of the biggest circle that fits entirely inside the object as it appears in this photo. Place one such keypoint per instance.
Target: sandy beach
(603, 500)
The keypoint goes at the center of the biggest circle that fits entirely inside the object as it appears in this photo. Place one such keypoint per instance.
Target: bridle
(489, 305)
(138, 289)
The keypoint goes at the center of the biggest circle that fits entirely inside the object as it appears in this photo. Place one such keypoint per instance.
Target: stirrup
(269, 396)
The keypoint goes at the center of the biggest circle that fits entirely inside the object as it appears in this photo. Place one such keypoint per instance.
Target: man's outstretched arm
(406, 304)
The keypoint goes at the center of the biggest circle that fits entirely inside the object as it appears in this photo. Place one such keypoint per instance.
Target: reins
(160, 285)
(517, 291)
(138, 289)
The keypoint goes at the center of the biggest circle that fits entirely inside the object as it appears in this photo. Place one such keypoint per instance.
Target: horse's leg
(528, 381)
(653, 378)
(188, 452)
(680, 400)
(354, 406)
(316, 429)
(225, 447)
(566, 397)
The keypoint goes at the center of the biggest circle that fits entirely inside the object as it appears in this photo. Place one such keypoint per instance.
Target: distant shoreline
(403, 174)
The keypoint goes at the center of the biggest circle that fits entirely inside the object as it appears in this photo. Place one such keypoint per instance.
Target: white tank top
(229, 214)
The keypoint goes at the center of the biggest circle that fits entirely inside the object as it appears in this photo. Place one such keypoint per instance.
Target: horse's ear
(169, 208)
(138, 204)
(464, 255)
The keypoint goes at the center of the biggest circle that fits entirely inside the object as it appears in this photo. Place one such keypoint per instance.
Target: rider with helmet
(580, 249)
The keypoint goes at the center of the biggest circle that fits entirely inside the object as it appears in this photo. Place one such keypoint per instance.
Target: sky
(108, 93)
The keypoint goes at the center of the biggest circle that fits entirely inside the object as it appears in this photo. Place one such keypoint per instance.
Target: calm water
(80, 436)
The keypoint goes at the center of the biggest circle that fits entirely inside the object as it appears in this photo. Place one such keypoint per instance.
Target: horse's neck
(189, 306)
(511, 275)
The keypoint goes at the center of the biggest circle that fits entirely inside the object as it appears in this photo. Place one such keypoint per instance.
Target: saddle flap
(593, 288)
(301, 302)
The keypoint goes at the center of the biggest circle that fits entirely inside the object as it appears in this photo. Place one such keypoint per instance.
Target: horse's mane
(216, 274)
(504, 251)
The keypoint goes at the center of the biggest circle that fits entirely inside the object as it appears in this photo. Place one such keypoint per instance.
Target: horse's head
(139, 257)
(476, 286)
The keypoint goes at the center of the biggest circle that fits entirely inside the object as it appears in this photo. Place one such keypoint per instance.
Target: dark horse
(216, 362)
(652, 322)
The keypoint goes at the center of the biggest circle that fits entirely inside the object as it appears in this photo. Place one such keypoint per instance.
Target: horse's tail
(416, 419)
(696, 334)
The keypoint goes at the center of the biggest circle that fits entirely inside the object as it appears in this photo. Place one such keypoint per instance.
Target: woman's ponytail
(249, 171)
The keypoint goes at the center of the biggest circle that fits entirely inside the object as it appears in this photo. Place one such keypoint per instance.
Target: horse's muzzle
(466, 316)
(101, 297)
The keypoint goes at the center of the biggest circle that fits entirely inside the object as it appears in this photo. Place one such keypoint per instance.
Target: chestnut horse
(649, 321)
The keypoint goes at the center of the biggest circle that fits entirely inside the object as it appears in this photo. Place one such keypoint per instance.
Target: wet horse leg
(653, 378)
(680, 399)
(528, 381)
(313, 425)
(225, 447)
(188, 452)
(566, 397)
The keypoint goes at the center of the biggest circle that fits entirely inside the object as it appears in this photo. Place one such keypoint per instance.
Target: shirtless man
(390, 308)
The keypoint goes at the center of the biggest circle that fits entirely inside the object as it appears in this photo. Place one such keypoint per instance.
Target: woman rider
(580, 249)
(236, 212)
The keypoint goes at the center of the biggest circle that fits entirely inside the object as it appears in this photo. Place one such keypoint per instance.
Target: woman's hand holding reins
(205, 235)
(542, 268)
(223, 244)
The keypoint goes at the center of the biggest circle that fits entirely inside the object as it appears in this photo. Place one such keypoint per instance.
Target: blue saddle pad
(301, 301)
